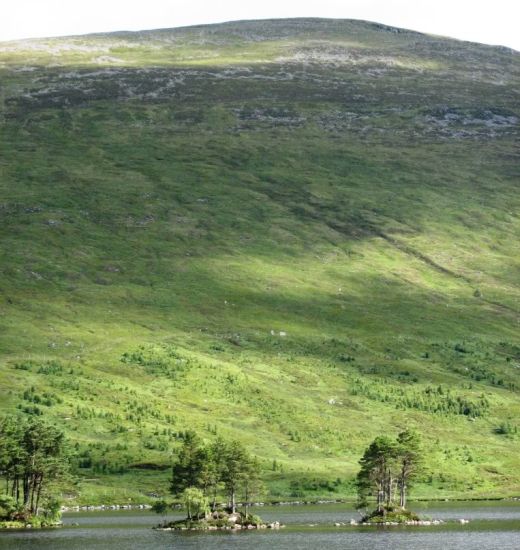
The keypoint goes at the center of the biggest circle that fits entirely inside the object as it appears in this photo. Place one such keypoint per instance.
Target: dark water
(493, 526)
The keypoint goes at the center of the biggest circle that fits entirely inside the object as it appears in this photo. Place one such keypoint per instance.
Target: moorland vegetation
(298, 234)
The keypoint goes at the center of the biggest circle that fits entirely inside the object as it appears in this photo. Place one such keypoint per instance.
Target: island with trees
(33, 455)
(202, 472)
(388, 470)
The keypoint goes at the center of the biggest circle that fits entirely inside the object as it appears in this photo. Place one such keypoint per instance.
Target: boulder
(233, 518)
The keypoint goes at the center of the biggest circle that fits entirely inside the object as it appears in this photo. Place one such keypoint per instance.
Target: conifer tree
(410, 462)
(188, 469)
(33, 453)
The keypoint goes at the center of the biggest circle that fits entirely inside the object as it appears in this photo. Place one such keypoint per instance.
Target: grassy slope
(193, 190)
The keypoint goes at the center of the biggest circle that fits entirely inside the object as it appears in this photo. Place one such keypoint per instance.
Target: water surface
(493, 526)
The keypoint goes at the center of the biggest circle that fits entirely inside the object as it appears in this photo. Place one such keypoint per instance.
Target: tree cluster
(388, 469)
(222, 465)
(32, 455)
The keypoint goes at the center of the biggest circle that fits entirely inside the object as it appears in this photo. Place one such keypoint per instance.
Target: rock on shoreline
(105, 507)
(237, 527)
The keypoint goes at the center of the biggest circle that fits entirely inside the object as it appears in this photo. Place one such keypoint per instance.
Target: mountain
(300, 233)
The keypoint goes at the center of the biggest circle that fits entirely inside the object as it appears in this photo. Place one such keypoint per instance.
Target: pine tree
(188, 470)
(33, 453)
(252, 483)
(234, 470)
(410, 461)
(376, 476)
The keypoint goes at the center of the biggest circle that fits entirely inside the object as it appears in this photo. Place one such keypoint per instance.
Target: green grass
(351, 187)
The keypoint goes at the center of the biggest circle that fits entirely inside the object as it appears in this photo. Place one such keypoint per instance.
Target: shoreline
(27, 526)
(319, 502)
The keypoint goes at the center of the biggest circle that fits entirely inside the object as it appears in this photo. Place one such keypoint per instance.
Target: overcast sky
(487, 21)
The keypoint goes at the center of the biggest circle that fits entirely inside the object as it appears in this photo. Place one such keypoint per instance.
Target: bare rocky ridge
(300, 60)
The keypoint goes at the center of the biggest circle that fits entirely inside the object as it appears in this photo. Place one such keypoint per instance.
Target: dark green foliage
(159, 360)
(387, 466)
(22, 366)
(51, 368)
(51, 509)
(303, 485)
(31, 410)
(46, 399)
(160, 507)
(199, 519)
(433, 400)
(234, 469)
(506, 428)
(410, 460)
(32, 455)
(226, 464)
(377, 474)
(8, 506)
(187, 471)
(390, 515)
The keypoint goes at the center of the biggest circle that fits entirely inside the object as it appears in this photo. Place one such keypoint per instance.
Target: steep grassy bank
(298, 233)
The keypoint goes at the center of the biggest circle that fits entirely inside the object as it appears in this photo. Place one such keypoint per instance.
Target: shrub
(52, 510)
(7, 507)
(252, 519)
(505, 428)
(160, 507)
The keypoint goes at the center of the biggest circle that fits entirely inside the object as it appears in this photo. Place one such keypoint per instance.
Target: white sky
(487, 21)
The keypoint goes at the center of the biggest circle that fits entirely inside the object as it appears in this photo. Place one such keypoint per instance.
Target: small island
(203, 519)
(388, 469)
(202, 473)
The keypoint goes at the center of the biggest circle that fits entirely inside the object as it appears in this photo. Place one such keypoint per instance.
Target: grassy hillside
(298, 233)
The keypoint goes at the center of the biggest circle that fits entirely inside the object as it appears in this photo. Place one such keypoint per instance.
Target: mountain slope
(301, 233)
